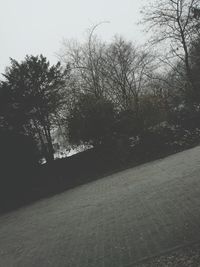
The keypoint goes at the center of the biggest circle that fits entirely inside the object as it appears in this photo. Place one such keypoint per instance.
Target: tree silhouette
(32, 94)
(177, 22)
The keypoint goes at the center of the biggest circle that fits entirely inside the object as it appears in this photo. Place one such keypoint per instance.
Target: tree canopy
(31, 95)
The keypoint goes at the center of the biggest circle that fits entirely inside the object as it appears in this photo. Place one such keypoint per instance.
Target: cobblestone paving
(112, 222)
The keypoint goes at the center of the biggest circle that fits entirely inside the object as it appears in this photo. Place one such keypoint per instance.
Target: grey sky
(39, 26)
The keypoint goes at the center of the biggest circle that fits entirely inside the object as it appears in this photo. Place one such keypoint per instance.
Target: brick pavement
(115, 221)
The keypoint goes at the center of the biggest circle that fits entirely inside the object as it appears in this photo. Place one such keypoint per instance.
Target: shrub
(18, 157)
(91, 121)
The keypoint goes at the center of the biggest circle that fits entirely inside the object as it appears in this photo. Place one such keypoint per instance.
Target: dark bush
(18, 157)
(91, 121)
(127, 123)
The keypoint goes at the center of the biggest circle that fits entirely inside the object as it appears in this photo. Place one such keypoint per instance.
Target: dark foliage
(19, 160)
(91, 121)
(127, 123)
(31, 95)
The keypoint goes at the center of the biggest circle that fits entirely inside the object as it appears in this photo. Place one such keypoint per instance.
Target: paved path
(114, 221)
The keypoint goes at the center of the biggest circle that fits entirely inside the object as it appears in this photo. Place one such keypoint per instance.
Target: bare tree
(176, 21)
(127, 69)
(117, 71)
(86, 63)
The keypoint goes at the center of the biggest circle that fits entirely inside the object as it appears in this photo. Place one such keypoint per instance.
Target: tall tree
(195, 67)
(33, 91)
(127, 69)
(86, 64)
(178, 22)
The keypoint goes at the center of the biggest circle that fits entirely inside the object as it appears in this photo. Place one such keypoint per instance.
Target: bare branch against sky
(35, 27)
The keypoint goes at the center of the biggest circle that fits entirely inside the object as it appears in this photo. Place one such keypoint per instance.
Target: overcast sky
(39, 26)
